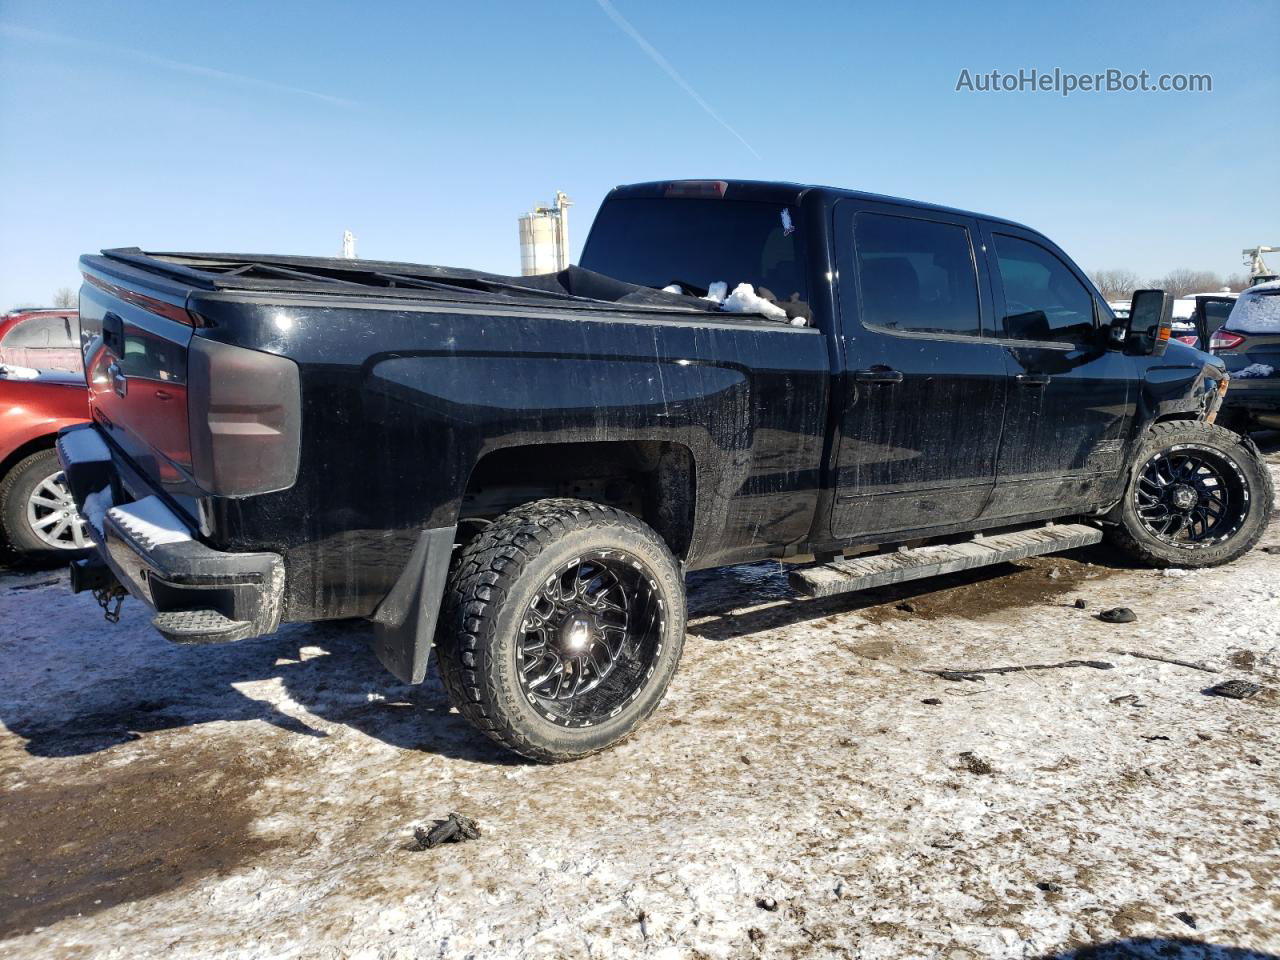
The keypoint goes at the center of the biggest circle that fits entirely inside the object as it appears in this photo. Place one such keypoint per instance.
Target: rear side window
(37, 332)
(1043, 299)
(916, 275)
(1257, 311)
(656, 241)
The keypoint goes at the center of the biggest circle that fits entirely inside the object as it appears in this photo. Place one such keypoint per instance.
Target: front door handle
(1033, 379)
(878, 374)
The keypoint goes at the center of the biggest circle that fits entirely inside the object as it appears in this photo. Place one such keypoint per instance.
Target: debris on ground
(975, 673)
(453, 829)
(932, 701)
(1159, 659)
(1235, 689)
(1118, 615)
(756, 934)
(35, 586)
(1081, 603)
(1272, 549)
(1128, 699)
(1048, 886)
(1186, 918)
(906, 606)
(975, 764)
(767, 903)
(1243, 659)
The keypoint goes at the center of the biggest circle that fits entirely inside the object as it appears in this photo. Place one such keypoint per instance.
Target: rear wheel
(563, 624)
(1198, 496)
(36, 507)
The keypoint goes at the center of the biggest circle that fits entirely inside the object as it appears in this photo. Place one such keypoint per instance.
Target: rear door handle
(1033, 379)
(163, 395)
(878, 375)
(119, 382)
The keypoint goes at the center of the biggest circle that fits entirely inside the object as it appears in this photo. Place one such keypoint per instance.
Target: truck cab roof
(779, 191)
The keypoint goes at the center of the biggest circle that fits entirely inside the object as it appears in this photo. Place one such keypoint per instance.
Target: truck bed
(571, 288)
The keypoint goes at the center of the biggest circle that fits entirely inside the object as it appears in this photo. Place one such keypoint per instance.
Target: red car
(36, 509)
(46, 339)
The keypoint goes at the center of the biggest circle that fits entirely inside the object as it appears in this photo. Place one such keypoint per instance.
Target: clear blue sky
(427, 128)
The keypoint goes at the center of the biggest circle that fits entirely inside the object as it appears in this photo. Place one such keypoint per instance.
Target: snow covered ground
(805, 790)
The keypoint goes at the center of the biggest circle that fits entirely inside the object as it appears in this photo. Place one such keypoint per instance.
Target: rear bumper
(199, 595)
(1257, 396)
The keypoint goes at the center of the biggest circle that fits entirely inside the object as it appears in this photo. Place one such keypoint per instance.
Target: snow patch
(84, 446)
(716, 291)
(1254, 370)
(1257, 310)
(96, 505)
(673, 288)
(744, 299)
(10, 372)
(151, 521)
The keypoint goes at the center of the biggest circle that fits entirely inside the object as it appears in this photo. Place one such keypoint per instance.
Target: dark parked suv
(516, 473)
(1249, 344)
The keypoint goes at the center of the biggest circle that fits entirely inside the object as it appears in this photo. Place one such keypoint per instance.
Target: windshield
(1257, 311)
(656, 241)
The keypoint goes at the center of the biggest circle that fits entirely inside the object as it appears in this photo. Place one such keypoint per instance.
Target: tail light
(245, 410)
(1225, 340)
(1190, 339)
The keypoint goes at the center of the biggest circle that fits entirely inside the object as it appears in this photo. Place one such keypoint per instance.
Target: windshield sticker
(788, 228)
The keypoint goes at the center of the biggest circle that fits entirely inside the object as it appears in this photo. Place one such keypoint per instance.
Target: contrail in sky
(625, 26)
(26, 33)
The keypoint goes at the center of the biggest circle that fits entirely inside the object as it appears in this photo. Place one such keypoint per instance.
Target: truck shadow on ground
(1160, 948)
(324, 671)
(717, 598)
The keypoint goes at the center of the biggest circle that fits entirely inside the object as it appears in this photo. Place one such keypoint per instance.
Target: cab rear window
(656, 241)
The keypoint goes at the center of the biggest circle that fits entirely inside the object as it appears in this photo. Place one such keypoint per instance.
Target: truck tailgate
(135, 331)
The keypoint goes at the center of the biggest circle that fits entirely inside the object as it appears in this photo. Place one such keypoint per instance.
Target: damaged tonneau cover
(570, 288)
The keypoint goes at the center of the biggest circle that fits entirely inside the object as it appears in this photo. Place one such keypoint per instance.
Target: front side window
(1043, 299)
(916, 275)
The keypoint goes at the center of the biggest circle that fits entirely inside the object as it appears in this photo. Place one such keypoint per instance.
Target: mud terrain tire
(1249, 495)
(498, 593)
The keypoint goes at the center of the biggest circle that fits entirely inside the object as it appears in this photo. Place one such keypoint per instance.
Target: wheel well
(653, 480)
(27, 449)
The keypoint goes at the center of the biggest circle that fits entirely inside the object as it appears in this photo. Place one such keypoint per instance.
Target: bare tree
(1179, 283)
(1237, 281)
(1116, 284)
(65, 297)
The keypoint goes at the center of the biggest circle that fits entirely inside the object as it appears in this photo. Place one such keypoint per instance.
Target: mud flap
(405, 621)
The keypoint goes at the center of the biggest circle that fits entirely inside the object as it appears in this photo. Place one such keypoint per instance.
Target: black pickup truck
(518, 472)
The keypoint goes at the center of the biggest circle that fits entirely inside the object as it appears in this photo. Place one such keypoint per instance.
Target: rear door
(1071, 399)
(923, 384)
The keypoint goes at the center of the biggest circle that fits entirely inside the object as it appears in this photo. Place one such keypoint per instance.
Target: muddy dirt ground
(806, 789)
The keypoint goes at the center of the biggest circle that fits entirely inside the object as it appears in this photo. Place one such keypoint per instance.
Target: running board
(862, 573)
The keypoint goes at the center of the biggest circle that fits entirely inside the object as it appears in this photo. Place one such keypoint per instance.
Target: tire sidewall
(503, 658)
(17, 489)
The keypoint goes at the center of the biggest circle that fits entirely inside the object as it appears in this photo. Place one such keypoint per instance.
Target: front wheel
(562, 627)
(1198, 496)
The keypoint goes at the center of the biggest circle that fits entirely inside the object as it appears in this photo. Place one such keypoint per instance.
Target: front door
(1070, 398)
(922, 382)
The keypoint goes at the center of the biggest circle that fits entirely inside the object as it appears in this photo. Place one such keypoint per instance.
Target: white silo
(544, 238)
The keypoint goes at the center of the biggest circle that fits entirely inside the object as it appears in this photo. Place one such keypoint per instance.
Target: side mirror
(1147, 329)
